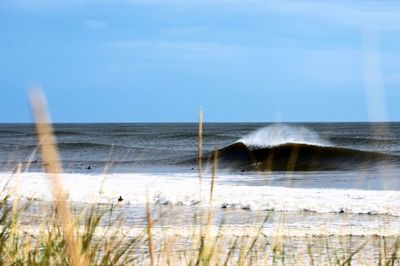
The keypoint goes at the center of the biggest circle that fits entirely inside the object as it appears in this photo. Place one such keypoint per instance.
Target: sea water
(158, 163)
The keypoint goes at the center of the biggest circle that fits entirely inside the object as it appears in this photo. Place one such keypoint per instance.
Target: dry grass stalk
(30, 160)
(212, 249)
(214, 172)
(16, 196)
(150, 238)
(14, 214)
(200, 144)
(53, 168)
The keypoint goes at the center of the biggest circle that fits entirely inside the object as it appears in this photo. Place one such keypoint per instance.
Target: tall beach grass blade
(394, 257)
(16, 196)
(30, 160)
(53, 168)
(200, 144)
(350, 257)
(214, 172)
(206, 239)
(14, 214)
(150, 238)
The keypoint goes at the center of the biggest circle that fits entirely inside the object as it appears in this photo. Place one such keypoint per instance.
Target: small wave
(11, 132)
(67, 133)
(73, 145)
(90, 145)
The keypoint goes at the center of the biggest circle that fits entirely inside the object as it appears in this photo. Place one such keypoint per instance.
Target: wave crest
(278, 134)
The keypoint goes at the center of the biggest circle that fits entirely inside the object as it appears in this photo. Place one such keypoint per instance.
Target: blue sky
(240, 60)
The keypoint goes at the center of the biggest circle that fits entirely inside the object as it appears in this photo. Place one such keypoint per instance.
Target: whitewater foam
(183, 189)
(278, 134)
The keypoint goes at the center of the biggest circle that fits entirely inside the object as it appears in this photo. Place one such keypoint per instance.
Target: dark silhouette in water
(120, 199)
(299, 157)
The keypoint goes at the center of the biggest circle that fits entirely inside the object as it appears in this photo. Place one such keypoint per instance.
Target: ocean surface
(336, 176)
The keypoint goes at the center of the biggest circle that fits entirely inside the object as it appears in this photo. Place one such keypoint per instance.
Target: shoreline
(176, 239)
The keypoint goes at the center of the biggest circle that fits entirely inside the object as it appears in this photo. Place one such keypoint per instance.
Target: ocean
(331, 177)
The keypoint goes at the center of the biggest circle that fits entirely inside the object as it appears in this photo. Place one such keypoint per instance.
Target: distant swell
(300, 157)
(78, 146)
(86, 145)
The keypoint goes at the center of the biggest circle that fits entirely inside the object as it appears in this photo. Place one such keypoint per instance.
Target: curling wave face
(284, 148)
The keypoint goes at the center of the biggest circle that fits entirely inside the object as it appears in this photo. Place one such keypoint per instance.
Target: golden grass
(52, 165)
(149, 234)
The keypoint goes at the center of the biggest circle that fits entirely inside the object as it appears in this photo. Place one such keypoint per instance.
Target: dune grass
(68, 236)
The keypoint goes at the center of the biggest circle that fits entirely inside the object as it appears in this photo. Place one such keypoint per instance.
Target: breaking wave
(279, 134)
(183, 189)
(287, 148)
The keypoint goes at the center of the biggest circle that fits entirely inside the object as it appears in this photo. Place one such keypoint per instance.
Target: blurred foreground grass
(43, 242)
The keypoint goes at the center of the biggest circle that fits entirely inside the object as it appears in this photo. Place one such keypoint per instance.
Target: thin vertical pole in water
(200, 143)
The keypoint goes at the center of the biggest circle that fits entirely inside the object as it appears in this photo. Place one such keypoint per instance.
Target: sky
(237, 60)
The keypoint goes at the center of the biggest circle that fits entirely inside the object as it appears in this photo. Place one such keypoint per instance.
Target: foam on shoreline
(184, 189)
